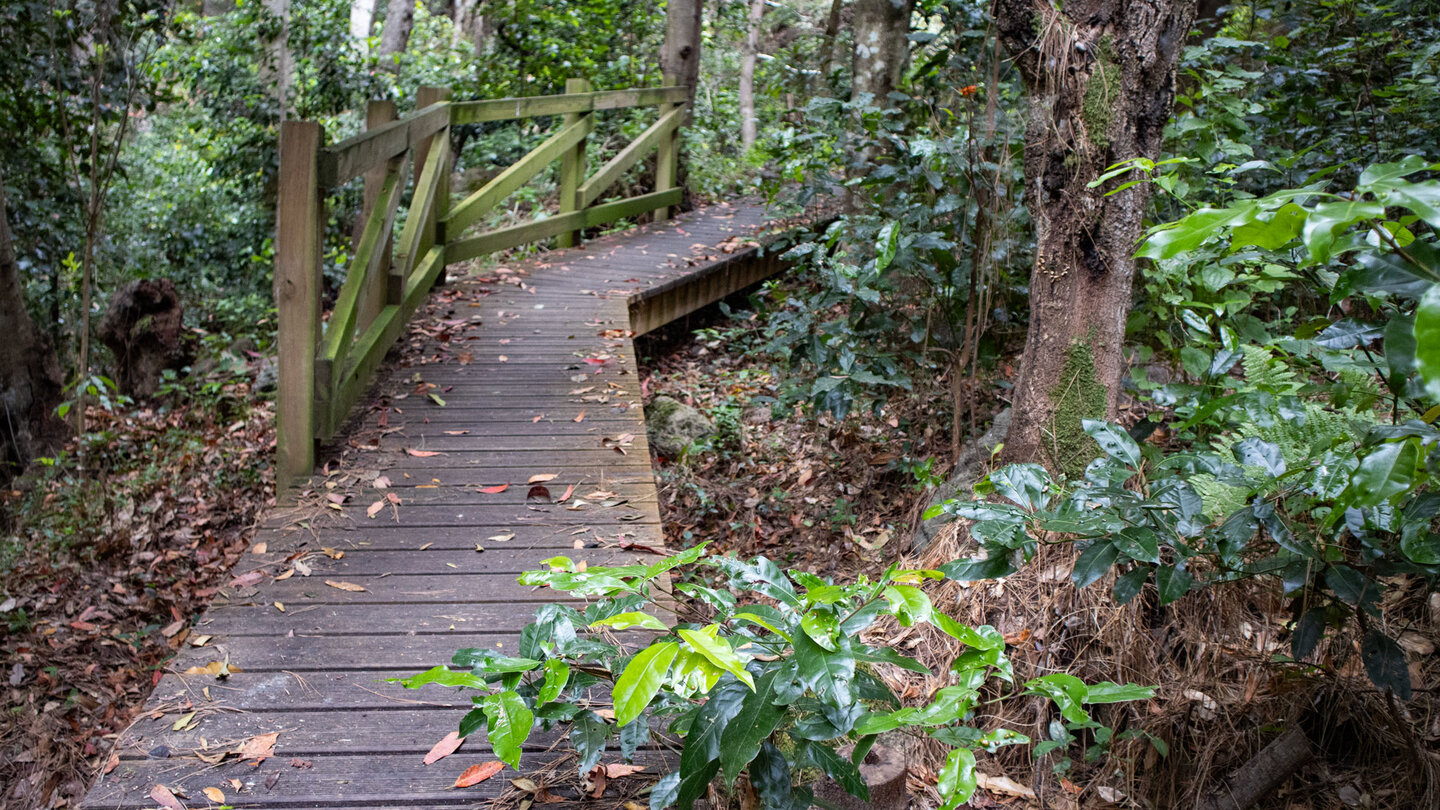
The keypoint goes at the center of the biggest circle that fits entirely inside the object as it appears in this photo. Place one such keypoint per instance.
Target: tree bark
(680, 55)
(882, 48)
(281, 70)
(30, 379)
(832, 35)
(1100, 75)
(748, 122)
(395, 36)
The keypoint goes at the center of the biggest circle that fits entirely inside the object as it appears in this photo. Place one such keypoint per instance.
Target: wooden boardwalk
(517, 360)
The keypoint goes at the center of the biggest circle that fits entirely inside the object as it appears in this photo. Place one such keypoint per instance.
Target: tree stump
(143, 327)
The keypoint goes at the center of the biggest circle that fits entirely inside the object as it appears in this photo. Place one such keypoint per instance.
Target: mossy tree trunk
(1100, 75)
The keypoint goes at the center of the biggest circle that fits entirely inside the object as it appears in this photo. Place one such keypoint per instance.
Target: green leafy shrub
(778, 682)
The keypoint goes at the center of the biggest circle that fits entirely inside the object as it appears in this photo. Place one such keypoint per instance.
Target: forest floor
(105, 556)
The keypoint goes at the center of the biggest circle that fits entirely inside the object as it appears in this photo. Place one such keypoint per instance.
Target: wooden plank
(630, 207)
(353, 536)
(419, 226)
(299, 225)
(349, 781)
(346, 160)
(475, 206)
(503, 238)
(265, 620)
(373, 297)
(438, 200)
(409, 588)
(381, 650)
(629, 156)
(572, 167)
(667, 160)
(506, 109)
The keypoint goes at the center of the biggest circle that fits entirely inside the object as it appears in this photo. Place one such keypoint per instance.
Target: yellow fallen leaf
(280, 606)
(344, 586)
(183, 721)
(214, 794)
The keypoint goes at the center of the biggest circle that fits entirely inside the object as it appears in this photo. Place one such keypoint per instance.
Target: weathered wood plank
(477, 205)
(608, 174)
(505, 109)
(299, 224)
(348, 159)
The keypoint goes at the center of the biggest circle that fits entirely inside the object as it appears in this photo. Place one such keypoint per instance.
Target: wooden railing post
(375, 294)
(434, 232)
(572, 168)
(667, 161)
(299, 229)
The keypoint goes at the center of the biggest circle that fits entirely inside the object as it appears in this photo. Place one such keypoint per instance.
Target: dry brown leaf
(1003, 785)
(581, 416)
(162, 796)
(475, 774)
(568, 492)
(444, 748)
(618, 769)
(258, 548)
(423, 453)
(345, 586)
(374, 509)
(260, 747)
(214, 794)
(541, 478)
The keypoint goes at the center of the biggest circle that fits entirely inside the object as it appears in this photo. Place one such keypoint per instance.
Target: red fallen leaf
(596, 781)
(495, 490)
(423, 453)
(475, 774)
(86, 626)
(444, 748)
(246, 580)
(594, 361)
(165, 798)
(537, 491)
(568, 492)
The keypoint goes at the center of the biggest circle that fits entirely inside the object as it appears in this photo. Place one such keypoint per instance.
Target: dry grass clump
(1220, 694)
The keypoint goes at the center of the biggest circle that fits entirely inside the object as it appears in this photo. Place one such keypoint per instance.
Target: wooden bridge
(510, 430)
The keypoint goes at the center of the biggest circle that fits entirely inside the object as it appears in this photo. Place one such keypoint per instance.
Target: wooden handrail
(326, 366)
(506, 109)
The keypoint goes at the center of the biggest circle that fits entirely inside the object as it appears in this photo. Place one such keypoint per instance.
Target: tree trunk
(470, 24)
(680, 55)
(748, 122)
(399, 19)
(281, 70)
(832, 35)
(362, 20)
(30, 379)
(1101, 82)
(882, 48)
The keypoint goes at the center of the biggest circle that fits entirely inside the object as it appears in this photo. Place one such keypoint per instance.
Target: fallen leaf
(302, 764)
(172, 628)
(112, 762)
(541, 478)
(374, 508)
(199, 641)
(595, 782)
(581, 416)
(1003, 785)
(456, 432)
(214, 794)
(220, 669)
(183, 721)
(475, 774)
(163, 797)
(423, 453)
(502, 538)
(246, 580)
(302, 568)
(382, 482)
(538, 491)
(332, 553)
(495, 490)
(284, 575)
(344, 586)
(619, 769)
(568, 492)
(280, 606)
(258, 548)
(259, 748)
(537, 419)
(444, 748)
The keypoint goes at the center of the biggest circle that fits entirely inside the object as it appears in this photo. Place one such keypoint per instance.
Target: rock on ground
(673, 426)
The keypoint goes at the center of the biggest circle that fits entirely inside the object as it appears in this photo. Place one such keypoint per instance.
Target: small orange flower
(967, 92)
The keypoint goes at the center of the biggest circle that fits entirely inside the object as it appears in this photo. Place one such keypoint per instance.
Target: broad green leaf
(625, 621)
(749, 616)
(1025, 484)
(758, 716)
(491, 662)
(910, 604)
(1138, 543)
(839, 768)
(886, 244)
(700, 758)
(1114, 441)
(1094, 562)
(1256, 452)
(828, 673)
(1427, 341)
(717, 652)
(820, 626)
(1347, 333)
(587, 733)
(1067, 691)
(981, 638)
(957, 778)
(1128, 586)
(1385, 663)
(667, 791)
(443, 676)
(507, 724)
(1307, 633)
(557, 674)
(1184, 235)
(885, 655)
(1107, 692)
(641, 680)
(1384, 473)
(1400, 348)
(1173, 582)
